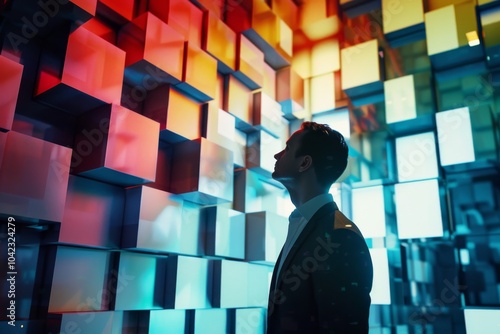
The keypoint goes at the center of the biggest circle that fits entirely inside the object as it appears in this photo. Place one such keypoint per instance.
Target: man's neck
(301, 196)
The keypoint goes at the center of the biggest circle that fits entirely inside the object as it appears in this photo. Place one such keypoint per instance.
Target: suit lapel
(310, 226)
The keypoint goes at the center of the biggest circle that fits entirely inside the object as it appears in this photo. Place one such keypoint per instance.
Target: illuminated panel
(108, 139)
(325, 57)
(289, 90)
(199, 75)
(159, 221)
(322, 93)
(174, 320)
(482, 320)
(261, 148)
(338, 120)
(240, 284)
(140, 281)
(91, 75)
(443, 31)
(221, 129)
(369, 211)
(211, 321)
(254, 193)
(220, 42)
(93, 213)
(454, 130)
(285, 38)
(400, 103)
(249, 63)
(33, 177)
(416, 157)
(154, 51)
(259, 279)
(265, 235)
(238, 102)
(381, 289)
(187, 282)
(86, 322)
(301, 63)
(418, 209)
(203, 172)
(267, 114)
(269, 85)
(73, 289)
(225, 235)
(230, 282)
(179, 116)
(216, 8)
(250, 320)
(360, 70)
(11, 73)
(316, 22)
(402, 14)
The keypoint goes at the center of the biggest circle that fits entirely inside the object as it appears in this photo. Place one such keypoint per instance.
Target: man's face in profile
(287, 163)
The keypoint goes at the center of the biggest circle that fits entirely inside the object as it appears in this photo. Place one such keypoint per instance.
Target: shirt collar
(309, 208)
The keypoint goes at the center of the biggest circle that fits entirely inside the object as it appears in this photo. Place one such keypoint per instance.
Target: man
(323, 275)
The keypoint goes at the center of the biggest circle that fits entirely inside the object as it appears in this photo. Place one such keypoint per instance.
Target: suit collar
(326, 209)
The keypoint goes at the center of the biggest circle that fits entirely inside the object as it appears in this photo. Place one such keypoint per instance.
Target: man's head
(313, 148)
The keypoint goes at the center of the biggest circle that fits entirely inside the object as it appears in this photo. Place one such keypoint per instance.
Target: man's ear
(306, 163)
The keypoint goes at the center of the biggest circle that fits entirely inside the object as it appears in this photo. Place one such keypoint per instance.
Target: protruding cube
(412, 223)
(140, 281)
(225, 230)
(289, 91)
(162, 222)
(199, 77)
(89, 75)
(211, 321)
(116, 145)
(179, 116)
(416, 157)
(240, 284)
(154, 50)
(371, 222)
(93, 214)
(220, 128)
(203, 172)
(361, 74)
(261, 148)
(267, 114)
(73, 289)
(220, 42)
(249, 63)
(33, 177)
(404, 22)
(452, 37)
(238, 102)
(187, 285)
(265, 235)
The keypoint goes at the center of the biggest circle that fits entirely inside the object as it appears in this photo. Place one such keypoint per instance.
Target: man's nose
(278, 155)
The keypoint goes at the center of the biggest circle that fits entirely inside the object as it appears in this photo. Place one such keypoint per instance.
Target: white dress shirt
(298, 220)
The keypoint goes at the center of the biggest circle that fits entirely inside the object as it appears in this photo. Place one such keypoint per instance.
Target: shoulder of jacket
(342, 222)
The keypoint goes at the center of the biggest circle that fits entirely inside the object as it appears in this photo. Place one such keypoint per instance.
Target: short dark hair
(327, 149)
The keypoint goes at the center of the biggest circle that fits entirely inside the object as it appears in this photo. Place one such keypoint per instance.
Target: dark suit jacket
(325, 281)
